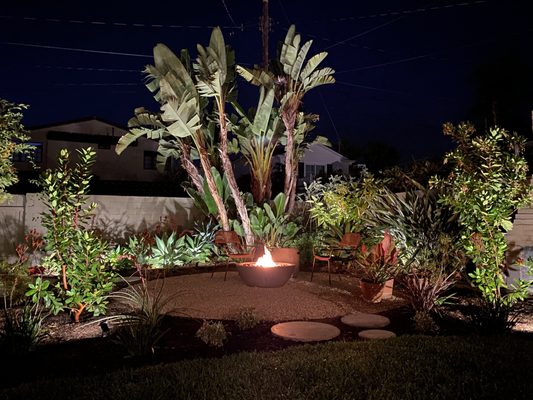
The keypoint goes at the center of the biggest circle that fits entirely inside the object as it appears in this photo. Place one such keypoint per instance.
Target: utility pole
(265, 29)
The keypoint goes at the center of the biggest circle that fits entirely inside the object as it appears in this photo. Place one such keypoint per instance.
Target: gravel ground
(201, 296)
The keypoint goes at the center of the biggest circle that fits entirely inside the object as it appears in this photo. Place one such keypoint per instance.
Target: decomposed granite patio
(200, 296)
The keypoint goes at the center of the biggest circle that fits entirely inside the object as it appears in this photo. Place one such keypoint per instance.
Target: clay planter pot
(375, 292)
(288, 255)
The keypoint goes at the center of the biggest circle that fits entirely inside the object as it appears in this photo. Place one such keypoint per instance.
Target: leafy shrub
(427, 234)
(340, 204)
(247, 318)
(271, 225)
(212, 333)
(488, 182)
(74, 251)
(13, 138)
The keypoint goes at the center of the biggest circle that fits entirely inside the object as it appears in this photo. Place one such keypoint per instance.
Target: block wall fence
(116, 216)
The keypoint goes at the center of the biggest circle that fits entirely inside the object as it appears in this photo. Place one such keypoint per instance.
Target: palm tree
(216, 79)
(180, 124)
(291, 80)
(257, 141)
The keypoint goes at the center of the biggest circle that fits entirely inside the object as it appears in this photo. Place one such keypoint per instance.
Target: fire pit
(265, 272)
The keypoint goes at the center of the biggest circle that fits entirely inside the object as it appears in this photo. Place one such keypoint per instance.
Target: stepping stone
(372, 334)
(362, 320)
(304, 331)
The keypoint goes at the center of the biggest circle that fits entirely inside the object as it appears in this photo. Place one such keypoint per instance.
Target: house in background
(113, 174)
(318, 160)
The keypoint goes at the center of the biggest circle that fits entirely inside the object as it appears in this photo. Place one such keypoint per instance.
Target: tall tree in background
(13, 138)
(186, 125)
(504, 93)
(182, 125)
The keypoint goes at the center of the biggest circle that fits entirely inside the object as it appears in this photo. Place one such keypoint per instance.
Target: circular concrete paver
(304, 331)
(372, 334)
(363, 320)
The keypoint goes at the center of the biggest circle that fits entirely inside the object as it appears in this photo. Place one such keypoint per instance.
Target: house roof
(74, 121)
(330, 150)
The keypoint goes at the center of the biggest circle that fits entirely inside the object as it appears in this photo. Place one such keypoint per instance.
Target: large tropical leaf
(166, 150)
(319, 77)
(184, 117)
(312, 64)
(176, 75)
(256, 77)
(142, 124)
(264, 111)
(298, 63)
(289, 50)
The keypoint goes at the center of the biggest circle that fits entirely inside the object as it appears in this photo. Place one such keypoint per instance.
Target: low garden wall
(115, 216)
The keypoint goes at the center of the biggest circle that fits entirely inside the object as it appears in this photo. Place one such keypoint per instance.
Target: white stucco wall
(116, 216)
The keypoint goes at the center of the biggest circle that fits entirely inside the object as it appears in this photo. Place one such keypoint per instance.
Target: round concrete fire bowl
(265, 277)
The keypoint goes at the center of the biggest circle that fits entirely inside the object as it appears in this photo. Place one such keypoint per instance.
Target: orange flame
(266, 260)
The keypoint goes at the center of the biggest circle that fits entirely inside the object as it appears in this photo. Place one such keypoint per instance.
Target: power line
(117, 24)
(114, 53)
(397, 92)
(429, 55)
(283, 11)
(330, 118)
(98, 84)
(227, 12)
(95, 69)
(400, 61)
(366, 32)
(409, 11)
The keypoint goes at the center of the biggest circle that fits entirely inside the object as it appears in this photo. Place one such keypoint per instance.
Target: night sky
(403, 67)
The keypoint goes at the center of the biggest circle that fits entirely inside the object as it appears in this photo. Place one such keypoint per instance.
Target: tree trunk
(190, 168)
(261, 184)
(292, 196)
(228, 170)
(77, 312)
(288, 114)
(206, 165)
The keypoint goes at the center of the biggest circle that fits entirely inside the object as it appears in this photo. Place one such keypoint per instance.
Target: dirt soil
(80, 349)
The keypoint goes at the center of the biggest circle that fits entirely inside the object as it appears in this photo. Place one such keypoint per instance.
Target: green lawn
(414, 367)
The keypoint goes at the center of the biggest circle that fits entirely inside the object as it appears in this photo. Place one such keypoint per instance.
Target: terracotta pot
(287, 255)
(387, 290)
(375, 292)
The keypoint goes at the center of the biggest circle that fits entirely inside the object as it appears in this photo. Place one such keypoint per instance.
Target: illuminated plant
(487, 184)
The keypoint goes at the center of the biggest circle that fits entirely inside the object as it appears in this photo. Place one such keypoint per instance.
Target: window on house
(309, 171)
(312, 170)
(150, 159)
(35, 154)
